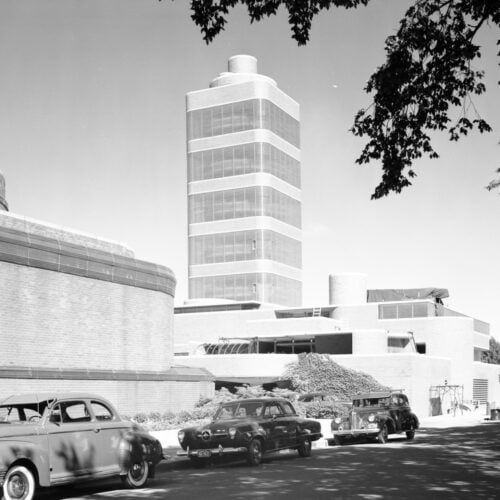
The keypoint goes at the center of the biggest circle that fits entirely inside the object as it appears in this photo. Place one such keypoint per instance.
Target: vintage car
(250, 428)
(48, 439)
(376, 415)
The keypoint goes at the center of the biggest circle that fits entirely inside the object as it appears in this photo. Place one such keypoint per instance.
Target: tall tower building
(244, 222)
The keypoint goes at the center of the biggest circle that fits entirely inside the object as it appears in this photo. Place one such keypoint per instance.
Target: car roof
(255, 400)
(35, 397)
(373, 395)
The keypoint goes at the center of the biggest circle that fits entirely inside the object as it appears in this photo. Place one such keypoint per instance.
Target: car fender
(258, 432)
(415, 419)
(136, 446)
(13, 450)
(391, 425)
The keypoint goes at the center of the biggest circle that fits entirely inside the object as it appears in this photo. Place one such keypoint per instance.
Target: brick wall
(129, 397)
(52, 319)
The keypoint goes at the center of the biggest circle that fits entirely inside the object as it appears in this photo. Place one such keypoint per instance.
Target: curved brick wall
(69, 300)
(80, 313)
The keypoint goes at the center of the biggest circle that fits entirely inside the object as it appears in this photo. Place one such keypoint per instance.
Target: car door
(72, 440)
(405, 412)
(278, 426)
(290, 423)
(109, 436)
(395, 411)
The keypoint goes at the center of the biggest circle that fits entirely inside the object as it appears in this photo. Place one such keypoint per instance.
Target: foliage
(327, 408)
(210, 14)
(493, 355)
(310, 373)
(428, 70)
(317, 372)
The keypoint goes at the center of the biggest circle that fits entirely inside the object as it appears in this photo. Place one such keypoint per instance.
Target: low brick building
(82, 313)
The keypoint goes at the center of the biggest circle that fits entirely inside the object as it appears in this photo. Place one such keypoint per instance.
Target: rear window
(368, 402)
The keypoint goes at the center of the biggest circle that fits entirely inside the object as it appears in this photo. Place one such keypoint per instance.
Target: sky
(93, 137)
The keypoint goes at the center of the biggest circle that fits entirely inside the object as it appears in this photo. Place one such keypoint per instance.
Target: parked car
(250, 428)
(376, 415)
(48, 439)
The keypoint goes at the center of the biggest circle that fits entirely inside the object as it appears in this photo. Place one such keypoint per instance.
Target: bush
(311, 373)
(317, 372)
(327, 408)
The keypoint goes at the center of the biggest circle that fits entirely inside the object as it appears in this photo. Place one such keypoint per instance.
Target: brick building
(79, 312)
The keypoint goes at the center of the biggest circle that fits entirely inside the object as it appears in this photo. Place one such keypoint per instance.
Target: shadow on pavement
(461, 462)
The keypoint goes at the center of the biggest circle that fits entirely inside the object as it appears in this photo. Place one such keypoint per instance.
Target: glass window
(229, 247)
(228, 162)
(387, 311)
(218, 287)
(245, 115)
(405, 311)
(420, 310)
(70, 412)
(227, 118)
(217, 120)
(272, 410)
(239, 203)
(238, 160)
(228, 204)
(101, 411)
(287, 408)
(243, 159)
(263, 287)
(237, 116)
(218, 250)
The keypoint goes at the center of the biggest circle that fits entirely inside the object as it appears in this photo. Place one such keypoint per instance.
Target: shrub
(311, 373)
(317, 372)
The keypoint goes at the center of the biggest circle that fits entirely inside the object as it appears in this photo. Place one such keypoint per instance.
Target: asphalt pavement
(452, 462)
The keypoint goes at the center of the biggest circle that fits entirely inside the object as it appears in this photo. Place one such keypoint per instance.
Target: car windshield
(239, 409)
(20, 413)
(370, 402)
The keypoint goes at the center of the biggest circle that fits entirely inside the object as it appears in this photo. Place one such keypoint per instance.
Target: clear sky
(92, 137)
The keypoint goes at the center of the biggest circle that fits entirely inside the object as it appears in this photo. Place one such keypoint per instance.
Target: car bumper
(356, 432)
(209, 452)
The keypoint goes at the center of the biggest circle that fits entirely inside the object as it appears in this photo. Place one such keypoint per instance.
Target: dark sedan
(250, 428)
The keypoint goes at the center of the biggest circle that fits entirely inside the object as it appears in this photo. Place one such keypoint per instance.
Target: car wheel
(338, 440)
(304, 448)
(19, 484)
(137, 474)
(411, 433)
(383, 434)
(254, 454)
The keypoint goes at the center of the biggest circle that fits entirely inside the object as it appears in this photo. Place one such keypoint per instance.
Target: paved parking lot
(456, 462)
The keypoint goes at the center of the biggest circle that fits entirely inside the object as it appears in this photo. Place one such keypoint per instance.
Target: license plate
(204, 453)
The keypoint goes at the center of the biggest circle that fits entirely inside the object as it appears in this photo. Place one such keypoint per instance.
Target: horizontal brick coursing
(129, 397)
(56, 320)
(51, 253)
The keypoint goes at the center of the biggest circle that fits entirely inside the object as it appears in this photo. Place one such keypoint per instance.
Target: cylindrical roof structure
(347, 289)
(242, 63)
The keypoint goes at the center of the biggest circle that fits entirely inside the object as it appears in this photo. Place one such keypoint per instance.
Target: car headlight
(232, 432)
(338, 420)
(371, 418)
(180, 436)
